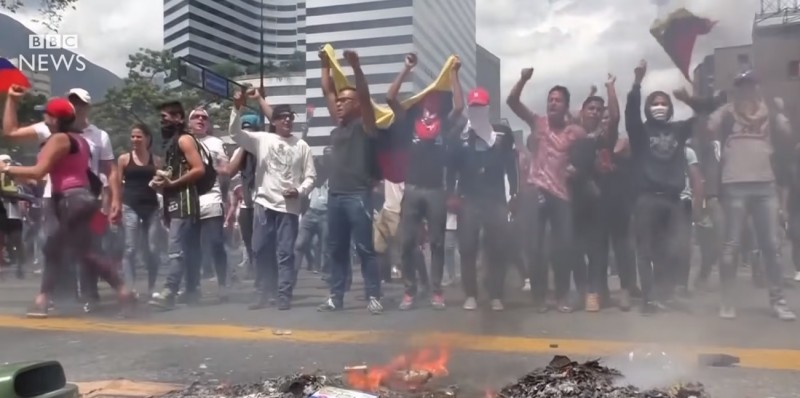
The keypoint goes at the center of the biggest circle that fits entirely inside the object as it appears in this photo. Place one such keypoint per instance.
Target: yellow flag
(384, 116)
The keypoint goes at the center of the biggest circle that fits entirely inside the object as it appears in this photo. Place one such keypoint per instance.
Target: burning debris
(565, 378)
(419, 375)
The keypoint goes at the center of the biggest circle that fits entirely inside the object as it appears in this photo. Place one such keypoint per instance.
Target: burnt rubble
(565, 378)
(562, 378)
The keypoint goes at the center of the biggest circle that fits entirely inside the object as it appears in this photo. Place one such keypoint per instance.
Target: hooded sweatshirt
(657, 146)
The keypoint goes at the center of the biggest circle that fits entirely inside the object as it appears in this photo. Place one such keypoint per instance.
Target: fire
(408, 371)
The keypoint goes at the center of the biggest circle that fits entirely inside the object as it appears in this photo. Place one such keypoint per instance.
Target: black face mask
(170, 130)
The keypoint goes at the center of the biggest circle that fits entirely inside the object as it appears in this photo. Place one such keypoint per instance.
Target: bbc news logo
(46, 60)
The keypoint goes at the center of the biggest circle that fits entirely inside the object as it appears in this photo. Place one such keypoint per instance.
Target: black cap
(282, 110)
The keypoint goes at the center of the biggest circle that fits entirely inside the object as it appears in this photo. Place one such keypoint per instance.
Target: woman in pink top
(65, 157)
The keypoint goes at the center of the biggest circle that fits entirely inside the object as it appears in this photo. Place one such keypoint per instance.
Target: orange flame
(425, 360)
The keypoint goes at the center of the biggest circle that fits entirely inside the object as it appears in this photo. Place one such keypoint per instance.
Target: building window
(794, 69)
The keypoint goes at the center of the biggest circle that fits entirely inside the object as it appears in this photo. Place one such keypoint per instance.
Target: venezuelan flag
(393, 142)
(677, 35)
(10, 75)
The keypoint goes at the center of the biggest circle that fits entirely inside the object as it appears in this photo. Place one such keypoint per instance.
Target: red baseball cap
(478, 96)
(60, 108)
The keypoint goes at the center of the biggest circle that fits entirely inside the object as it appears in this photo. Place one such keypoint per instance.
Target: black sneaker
(284, 305)
(188, 298)
(164, 300)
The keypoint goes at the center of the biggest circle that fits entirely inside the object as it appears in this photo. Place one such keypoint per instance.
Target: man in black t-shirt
(429, 126)
(352, 175)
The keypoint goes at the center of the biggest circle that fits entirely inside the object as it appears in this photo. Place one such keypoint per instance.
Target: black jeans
(274, 236)
(491, 217)
(557, 213)
(350, 215)
(684, 265)
(659, 223)
(418, 204)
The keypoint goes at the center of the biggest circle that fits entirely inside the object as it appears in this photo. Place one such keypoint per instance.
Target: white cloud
(109, 30)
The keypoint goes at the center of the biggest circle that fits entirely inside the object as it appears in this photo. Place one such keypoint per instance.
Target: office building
(285, 90)
(40, 81)
(383, 32)
(773, 55)
(488, 77)
(209, 32)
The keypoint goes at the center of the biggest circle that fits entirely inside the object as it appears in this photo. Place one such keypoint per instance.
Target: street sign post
(207, 80)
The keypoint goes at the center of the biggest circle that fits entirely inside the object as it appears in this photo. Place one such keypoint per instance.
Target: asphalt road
(226, 342)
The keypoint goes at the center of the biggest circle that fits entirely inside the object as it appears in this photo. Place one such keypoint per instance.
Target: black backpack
(209, 178)
(206, 183)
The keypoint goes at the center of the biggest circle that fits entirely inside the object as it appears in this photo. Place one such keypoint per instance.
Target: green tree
(152, 79)
(50, 10)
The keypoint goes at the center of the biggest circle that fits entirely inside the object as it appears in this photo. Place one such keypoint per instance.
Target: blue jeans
(183, 239)
(140, 228)
(274, 235)
(212, 240)
(351, 215)
(760, 200)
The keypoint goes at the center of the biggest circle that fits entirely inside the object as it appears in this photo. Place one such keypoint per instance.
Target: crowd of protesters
(456, 192)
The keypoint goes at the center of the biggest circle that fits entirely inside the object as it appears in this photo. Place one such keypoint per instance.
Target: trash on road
(566, 378)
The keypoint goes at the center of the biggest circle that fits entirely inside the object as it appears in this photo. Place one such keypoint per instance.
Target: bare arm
(458, 93)
(125, 158)
(516, 105)
(362, 90)
(188, 146)
(328, 87)
(11, 129)
(613, 111)
(54, 150)
(236, 162)
(263, 104)
(394, 89)
(110, 169)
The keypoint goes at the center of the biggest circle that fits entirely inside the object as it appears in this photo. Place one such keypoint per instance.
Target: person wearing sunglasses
(284, 175)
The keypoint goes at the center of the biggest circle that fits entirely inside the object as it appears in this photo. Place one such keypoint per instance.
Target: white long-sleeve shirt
(283, 163)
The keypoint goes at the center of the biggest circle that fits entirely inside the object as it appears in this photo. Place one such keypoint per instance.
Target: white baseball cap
(5, 158)
(82, 94)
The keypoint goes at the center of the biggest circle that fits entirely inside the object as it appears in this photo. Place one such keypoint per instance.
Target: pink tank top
(70, 171)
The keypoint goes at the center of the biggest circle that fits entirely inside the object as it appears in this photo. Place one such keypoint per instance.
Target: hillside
(96, 79)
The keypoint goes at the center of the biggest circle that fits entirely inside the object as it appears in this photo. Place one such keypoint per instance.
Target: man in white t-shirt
(212, 214)
(11, 223)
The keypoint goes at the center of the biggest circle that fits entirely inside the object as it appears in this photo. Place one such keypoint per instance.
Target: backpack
(209, 178)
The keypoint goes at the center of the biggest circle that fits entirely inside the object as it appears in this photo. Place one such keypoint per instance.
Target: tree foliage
(50, 10)
(151, 80)
(26, 114)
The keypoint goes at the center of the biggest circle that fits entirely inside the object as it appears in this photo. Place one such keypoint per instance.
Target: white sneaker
(470, 304)
(526, 287)
(497, 305)
(797, 276)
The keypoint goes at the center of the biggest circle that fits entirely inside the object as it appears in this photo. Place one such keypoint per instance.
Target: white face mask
(479, 121)
(659, 112)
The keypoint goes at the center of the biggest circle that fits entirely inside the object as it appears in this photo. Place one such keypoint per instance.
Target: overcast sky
(569, 42)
